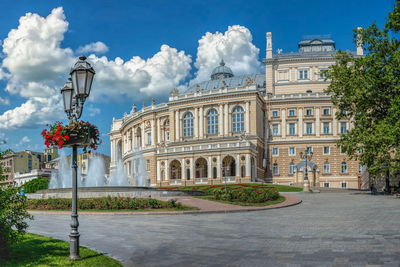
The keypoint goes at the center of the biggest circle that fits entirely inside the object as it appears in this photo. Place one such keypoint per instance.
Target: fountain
(96, 183)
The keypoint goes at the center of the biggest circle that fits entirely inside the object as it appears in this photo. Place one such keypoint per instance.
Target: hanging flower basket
(80, 133)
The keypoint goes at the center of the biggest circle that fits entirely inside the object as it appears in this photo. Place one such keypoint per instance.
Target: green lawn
(267, 203)
(36, 250)
(280, 188)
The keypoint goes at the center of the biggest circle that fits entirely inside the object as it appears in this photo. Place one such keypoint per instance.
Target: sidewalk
(205, 206)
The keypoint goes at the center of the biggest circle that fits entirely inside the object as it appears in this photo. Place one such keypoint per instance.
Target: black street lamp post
(307, 155)
(74, 93)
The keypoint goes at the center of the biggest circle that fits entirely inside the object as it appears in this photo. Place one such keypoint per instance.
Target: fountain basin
(113, 191)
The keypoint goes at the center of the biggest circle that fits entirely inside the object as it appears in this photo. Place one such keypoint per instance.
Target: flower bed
(78, 133)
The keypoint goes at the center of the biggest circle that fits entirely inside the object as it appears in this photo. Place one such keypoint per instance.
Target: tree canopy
(366, 90)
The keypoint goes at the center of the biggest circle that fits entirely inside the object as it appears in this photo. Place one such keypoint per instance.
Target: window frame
(238, 120)
(188, 124)
(212, 121)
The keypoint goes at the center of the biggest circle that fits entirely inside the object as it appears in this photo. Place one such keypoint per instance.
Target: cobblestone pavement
(327, 229)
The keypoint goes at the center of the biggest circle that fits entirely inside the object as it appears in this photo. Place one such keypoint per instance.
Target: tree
(12, 219)
(366, 90)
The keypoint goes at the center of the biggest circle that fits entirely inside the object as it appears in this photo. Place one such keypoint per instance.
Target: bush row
(246, 194)
(103, 203)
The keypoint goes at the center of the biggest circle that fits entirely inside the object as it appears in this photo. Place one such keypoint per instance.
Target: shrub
(12, 219)
(34, 185)
(103, 203)
(246, 194)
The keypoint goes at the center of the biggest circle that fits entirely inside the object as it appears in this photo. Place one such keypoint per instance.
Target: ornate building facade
(234, 129)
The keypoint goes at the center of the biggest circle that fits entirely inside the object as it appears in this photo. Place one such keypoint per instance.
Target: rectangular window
(309, 112)
(326, 128)
(303, 74)
(344, 185)
(309, 128)
(327, 168)
(283, 75)
(322, 75)
(275, 113)
(275, 169)
(292, 112)
(148, 138)
(148, 165)
(309, 149)
(275, 151)
(292, 129)
(326, 185)
(327, 150)
(291, 168)
(343, 127)
(344, 168)
(326, 111)
(275, 129)
(292, 151)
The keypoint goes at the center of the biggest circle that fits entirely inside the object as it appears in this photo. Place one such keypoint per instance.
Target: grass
(36, 250)
(267, 203)
(280, 188)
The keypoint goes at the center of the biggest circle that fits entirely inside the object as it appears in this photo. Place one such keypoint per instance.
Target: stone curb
(189, 212)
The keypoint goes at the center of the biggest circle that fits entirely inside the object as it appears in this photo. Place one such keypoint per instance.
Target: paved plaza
(327, 229)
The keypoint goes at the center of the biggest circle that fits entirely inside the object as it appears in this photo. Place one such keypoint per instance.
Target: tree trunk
(387, 180)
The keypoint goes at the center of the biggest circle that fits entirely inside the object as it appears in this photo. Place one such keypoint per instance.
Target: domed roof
(221, 72)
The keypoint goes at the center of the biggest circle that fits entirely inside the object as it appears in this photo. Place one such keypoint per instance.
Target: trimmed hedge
(103, 203)
(246, 194)
(37, 184)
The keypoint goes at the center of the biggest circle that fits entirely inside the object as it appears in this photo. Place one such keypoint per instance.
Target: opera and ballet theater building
(235, 129)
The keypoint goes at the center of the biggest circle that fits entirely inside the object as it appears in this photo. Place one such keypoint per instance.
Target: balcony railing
(203, 180)
(229, 179)
(175, 181)
(205, 147)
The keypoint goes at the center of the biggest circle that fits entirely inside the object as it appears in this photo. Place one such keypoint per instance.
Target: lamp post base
(306, 186)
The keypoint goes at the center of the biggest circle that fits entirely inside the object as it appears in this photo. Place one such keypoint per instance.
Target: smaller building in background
(20, 162)
(23, 178)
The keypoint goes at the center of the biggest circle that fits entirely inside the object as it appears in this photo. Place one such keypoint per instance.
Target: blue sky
(34, 69)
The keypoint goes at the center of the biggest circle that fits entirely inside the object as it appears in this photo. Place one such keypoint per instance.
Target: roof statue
(174, 92)
(153, 101)
(197, 88)
(249, 81)
(134, 108)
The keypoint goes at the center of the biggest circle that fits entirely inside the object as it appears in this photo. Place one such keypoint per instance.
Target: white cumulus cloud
(96, 47)
(139, 78)
(235, 46)
(35, 66)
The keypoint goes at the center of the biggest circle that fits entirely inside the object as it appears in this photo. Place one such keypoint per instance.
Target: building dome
(221, 72)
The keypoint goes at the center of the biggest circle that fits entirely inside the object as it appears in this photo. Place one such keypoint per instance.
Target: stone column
(167, 170)
(112, 150)
(158, 170)
(177, 130)
(201, 122)
(248, 165)
(334, 123)
(183, 166)
(196, 123)
(237, 165)
(300, 115)
(317, 122)
(283, 122)
(158, 130)
(153, 132)
(247, 119)
(221, 121)
(226, 123)
(219, 165)
(209, 168)
(191, 169)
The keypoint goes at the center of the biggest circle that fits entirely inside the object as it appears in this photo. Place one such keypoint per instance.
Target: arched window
(344, 168)
(212, 121)
(214, 172)
(188, 124)
(291, 168)
(275, 169)
(48, 157)
(238, 120)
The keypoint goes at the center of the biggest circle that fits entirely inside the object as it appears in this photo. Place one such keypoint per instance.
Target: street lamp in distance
(74, 93)
(306, 155)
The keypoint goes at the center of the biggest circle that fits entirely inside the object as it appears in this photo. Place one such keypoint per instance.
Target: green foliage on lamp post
(366, 90)
(13, 218)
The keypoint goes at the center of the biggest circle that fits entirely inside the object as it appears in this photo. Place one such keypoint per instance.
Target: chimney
(269, 45)
(360, 50)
